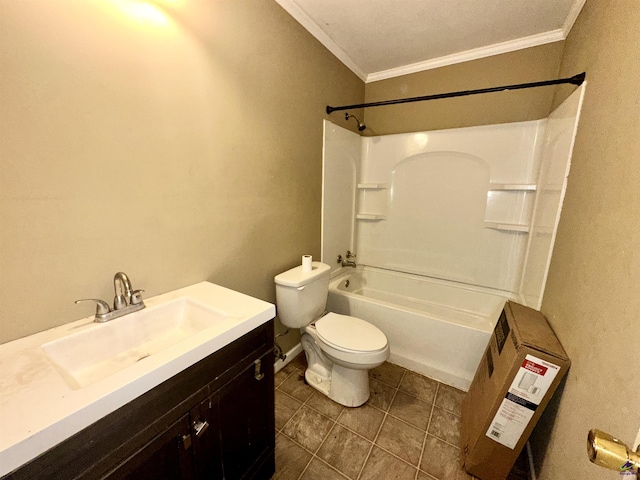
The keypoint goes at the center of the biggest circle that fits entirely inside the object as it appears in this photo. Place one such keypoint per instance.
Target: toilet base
(349, 387)
(346, 386)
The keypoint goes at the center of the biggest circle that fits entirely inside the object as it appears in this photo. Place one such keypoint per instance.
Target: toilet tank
(301, 297)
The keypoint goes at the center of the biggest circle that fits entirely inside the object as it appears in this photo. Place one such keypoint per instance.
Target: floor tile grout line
(314, 454)
(306, 466)
(444, 441)
(286, 378)
(395, 455)
(414, 395)
(366, 459)
(323, 461)
(326, 436)
(387, 384)
(373, 444)
(304, 449)
(395, 393)
(293, 415)
(448, 411)
(426, 433)
(292, 397)
(410, 424)
(418, 398)
(318, 410)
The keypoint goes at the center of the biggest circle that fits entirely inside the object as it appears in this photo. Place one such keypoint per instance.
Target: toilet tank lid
(297, 278)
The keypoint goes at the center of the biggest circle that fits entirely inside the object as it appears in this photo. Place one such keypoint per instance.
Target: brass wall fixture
(609, 452)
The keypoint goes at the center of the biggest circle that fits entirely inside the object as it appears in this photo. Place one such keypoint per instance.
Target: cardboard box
(519, 372)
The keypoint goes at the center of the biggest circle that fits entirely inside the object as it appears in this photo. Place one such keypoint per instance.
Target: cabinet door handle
(258, 374)
(200, 427)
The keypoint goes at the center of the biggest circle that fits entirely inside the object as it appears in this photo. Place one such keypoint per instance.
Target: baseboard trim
(291, 354)
(532, 470)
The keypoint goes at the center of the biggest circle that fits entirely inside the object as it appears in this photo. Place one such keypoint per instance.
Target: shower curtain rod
(575, 80)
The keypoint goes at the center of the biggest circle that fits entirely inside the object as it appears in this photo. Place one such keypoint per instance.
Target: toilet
(340, 349)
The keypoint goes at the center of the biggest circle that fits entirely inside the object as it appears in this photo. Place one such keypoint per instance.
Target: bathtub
(437, 328)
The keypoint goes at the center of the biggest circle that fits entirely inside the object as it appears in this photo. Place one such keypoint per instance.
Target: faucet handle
(136, 297)
(351, 254)
(102, 307)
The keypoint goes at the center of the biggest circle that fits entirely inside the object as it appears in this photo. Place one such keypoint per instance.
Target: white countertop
(39, 409)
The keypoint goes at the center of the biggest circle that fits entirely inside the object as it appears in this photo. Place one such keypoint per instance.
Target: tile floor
(408, 430)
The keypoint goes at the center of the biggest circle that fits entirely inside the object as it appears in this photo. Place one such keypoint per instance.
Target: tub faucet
(346, 262)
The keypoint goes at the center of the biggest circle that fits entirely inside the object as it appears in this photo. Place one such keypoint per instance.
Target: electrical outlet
(636, 444)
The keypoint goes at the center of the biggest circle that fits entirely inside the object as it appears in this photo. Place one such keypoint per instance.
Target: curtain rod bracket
(578, 79)
(575, 80)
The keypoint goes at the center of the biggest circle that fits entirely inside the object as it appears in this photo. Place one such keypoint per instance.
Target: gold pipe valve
(609, 452)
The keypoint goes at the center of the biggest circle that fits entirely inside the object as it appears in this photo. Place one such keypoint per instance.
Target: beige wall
(177, 147)
(592, 297)
(529, 65)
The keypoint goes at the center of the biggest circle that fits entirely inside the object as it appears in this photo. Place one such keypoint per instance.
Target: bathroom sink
(83, 371)
(93, 354)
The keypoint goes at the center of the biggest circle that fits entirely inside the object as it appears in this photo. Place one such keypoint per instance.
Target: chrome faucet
(126, 300)
(123, 294)
(346, 262)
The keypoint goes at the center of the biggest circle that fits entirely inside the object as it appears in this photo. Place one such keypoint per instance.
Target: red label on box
(534, 367)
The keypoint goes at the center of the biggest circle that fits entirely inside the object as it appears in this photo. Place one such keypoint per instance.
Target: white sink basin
(91, 355)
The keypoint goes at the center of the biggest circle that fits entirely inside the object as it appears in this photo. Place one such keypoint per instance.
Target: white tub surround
(41, 405)
(476, 206)
(340, 171)
(560, 135)
(435, 327)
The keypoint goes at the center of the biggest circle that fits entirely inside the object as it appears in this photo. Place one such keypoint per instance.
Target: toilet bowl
(351, 342)
(344, 349)
(340, 349)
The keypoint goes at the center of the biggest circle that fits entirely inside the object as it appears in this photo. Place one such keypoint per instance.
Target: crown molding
(466, 56)
(576, 8)
(303, 19)
(291, 7)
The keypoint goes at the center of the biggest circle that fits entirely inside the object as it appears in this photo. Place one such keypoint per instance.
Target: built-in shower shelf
(372, 186)
(507, 227)
(523, 187)
(371, 216)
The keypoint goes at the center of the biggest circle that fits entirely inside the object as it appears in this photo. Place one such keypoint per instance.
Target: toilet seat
(350, 334)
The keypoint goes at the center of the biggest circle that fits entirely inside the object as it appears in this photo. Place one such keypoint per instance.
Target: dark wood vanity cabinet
(213, 421)
(163, 458)
(234, 427)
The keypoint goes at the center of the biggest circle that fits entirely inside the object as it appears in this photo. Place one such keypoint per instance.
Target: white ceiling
(380, 39)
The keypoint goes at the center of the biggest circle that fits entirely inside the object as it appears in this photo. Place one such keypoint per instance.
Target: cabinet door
(233, 430)
(246, 420)
(167, 457)
(205, 432)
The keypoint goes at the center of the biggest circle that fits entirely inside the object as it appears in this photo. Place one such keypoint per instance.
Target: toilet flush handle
(301, 288)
